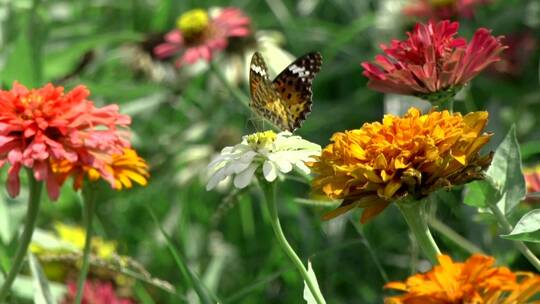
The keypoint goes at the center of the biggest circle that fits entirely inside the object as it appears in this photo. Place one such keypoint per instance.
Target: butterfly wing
(293, 85)
(265, 100)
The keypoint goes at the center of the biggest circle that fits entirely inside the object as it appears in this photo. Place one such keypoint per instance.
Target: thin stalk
(190, 278)
(269, 191)
(370, 250)
(89, 199)
(507, 228)
(448, 232)
(26, 236)
(237, 94)
(414, 213)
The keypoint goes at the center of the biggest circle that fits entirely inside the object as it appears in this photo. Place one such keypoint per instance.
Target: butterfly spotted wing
(286, 101)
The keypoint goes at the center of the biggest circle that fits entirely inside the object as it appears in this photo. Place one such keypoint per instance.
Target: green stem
(448, 232)
(191, 279)
(414, 213)
(237, 94)
(26, 236)
(269, 191)
(89, 198)
(507, 228)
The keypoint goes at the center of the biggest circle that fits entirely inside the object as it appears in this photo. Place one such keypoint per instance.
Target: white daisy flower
(274, 153)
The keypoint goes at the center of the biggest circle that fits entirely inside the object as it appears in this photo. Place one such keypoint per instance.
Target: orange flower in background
(119, 170)
(412, 156)
(474, 281)
(200, 34)
(442, 9)
(432, 63)
(43, 125)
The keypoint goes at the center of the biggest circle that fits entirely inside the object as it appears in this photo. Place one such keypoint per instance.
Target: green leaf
(505, 173)
(308, 296)
(42, 291)
(480, 194)
(527, 229)
(21, 63)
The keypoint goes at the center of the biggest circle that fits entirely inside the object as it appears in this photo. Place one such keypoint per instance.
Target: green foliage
(527, 229)
(218, 244)
(504, 185)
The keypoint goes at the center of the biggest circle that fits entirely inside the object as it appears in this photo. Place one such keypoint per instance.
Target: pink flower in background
(532, 180)
(521, 49)
(95, 292)
(45, 124)
(432, 61)
(199, 35)
(442, 9)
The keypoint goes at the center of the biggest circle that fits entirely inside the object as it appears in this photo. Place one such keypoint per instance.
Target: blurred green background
(180, 119)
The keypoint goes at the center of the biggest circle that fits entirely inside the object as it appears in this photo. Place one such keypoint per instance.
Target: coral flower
(119, 170)
(442, 9)
(432, 63)
(200, 34)
(410, 156)
(41, 125)
(474, 281)
(95, 292)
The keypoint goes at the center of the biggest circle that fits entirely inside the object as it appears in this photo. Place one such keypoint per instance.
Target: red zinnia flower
(41, 125)
(200, 34)
(432, 61)
(442, 9)
(95, 292)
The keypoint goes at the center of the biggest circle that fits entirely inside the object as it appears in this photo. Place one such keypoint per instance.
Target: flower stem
(237, 94)
(452, 235)
(414, 214)
(26, 236)
(507, 228)
(269, 191)
(89, 198)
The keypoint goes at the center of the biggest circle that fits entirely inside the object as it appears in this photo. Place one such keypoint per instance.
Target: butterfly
(285, 101)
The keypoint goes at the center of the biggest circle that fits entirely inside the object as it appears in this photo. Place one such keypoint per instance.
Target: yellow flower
(76, 236)
(474, 281)
(125, 168)
(121, 170)
(411, 156)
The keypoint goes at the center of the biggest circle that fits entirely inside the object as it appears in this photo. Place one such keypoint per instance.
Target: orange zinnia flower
(475, 281)
(119, 170)
(411, 156)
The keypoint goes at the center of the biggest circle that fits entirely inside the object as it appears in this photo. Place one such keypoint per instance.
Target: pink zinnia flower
(432, 63)
(532, 180)
(95, 292)
(41, 125)
(521, 48)
(442, 9)
(199, 35)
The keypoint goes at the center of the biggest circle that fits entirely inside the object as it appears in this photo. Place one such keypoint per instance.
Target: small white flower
(275, 153)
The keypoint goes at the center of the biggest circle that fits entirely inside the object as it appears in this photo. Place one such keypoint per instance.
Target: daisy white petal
(244, 178)
(269, 170)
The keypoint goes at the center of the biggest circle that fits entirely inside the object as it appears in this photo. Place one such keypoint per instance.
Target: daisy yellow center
(193, 23)
(442, 2)
(261, 139)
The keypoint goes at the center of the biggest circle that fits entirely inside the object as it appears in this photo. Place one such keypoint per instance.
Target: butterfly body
(285, 101)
